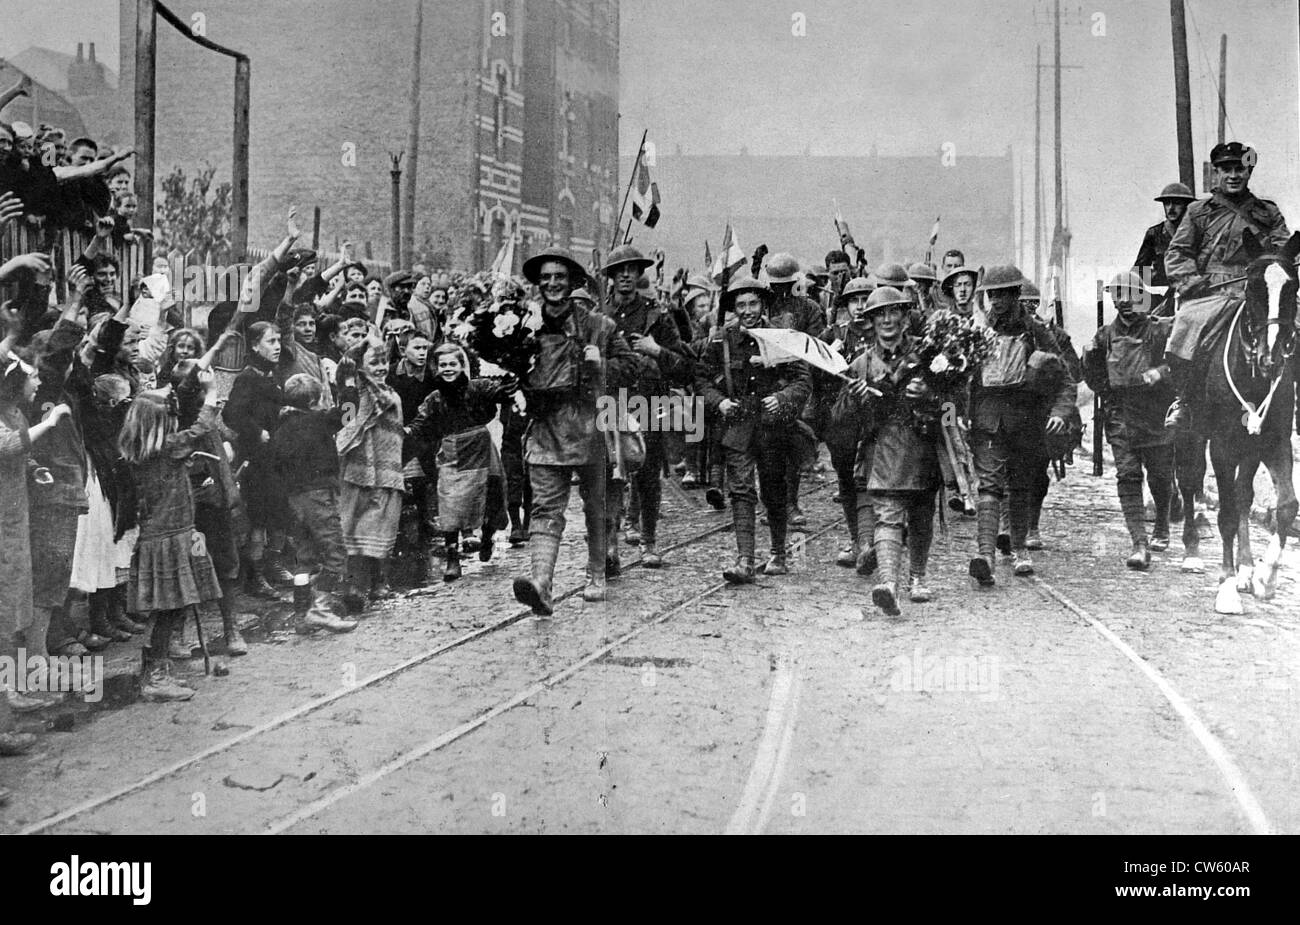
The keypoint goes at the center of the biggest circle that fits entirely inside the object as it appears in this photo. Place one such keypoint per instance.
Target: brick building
(787, 201)
(518, 129)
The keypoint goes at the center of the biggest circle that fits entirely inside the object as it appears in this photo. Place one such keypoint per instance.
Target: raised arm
(93, 169)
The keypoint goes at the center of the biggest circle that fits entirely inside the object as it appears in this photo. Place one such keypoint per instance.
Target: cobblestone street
(1086, 699)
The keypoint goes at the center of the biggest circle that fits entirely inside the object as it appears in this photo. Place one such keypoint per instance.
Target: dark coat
(562, 426)
(1112, 366)
(452, 409)
(1027, 405)
(791, 383)
(1152, 253)
(904, 457)
(674, 367)
(302, 449)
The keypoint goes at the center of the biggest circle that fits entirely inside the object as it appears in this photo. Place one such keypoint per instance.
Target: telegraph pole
(1223, 85)
(1038, 169)
(1182, 95)
(412, 148)
(1057, 115)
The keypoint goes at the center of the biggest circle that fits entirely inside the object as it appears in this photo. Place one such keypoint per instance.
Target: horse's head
(1271, 286)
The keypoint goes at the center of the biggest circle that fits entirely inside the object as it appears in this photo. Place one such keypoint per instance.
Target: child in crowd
(471, 494)
(306, 459)
(370, 461)
(171, 571)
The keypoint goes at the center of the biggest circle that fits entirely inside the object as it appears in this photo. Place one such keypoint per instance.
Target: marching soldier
(759, 406)
(662, 361)
(1124, 365)
(1019, 394)
(1208, 256)
(581, 356)
(851, 339)
(1175, 199)
(922, 287)
(899, 475)
(958, 288)
(799, 313)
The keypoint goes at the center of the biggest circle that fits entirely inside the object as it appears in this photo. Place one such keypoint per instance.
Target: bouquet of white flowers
(504, 329)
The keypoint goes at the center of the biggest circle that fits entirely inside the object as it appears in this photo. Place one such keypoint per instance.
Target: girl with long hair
(171, 570)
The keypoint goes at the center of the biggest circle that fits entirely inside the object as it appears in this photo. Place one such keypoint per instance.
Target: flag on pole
(708, 256)
(505, 259)
(732, 257)
(645, 197)
(782, 345)
(934, 232)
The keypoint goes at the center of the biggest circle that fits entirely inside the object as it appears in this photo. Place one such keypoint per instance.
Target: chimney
(92, 52)
(80, 48)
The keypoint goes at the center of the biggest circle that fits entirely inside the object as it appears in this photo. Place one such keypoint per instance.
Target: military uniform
(1134, 417)
(655, 376)
(1151, 255)
(897, 474)
(842, 436)
(1013, 393)
(753, 439)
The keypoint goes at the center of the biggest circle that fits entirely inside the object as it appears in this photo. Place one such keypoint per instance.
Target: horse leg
(1243, 498)
(1228, 599)
(1278, 462)
(1190, 475)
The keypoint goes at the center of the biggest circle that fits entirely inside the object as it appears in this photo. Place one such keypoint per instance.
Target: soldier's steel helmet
(1174, 192)
(856, 286)
(1126, 287)
(1002, 277)
(952, 275)
(1029, 291)
(748, 284)
(1233, 152)
(893, 275)
(782, 268)
(819, 273)
(922, 271)
(582, 294)
(885, 296)
(533, 266)
(625, 254)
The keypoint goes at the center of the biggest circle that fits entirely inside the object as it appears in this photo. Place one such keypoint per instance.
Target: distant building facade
(788, 203)
(518, 128)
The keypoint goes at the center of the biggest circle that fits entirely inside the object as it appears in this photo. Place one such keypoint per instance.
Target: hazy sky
(908, 76)
(60, 25)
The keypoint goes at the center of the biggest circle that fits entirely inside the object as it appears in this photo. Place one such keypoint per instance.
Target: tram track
(389, 674)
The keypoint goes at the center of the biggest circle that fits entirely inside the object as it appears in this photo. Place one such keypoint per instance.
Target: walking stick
(1096, 399)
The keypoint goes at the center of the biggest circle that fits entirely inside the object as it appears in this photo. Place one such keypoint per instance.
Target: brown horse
(1250, 406)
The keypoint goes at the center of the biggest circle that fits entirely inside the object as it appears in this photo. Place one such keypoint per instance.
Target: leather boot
(742, 573)
(650, 557)
(777, 564)
(451, 571)
(100, 625)
(1181, 374)
(157, 683)
(380, 590)
(255, 585)
(742, 518)
(535, 591)
(595, 589)
(487, 544)
(117, 613)
(1130, 503)
(885, 594)
(354, 594)
(848, 556)
(988, 514)
(273, 569)
(1140, 559)
(613, 565)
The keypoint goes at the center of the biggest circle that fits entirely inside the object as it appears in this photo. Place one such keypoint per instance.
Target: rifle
(597, 277)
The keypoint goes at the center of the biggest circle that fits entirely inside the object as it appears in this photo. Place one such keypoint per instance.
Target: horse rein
(1253, 419)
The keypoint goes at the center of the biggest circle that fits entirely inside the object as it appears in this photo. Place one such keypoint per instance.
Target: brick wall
(326, 73)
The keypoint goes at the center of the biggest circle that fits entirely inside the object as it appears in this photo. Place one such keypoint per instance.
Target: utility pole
(146, 54)
(1182, 95)
(1223, 85)
(412, 147)
(1057, 116)
(396, 174)
(1038, 169)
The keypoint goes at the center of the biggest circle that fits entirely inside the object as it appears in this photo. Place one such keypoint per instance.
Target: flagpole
(618, 224)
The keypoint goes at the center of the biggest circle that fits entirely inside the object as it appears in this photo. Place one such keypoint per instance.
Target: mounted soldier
(662, 361)
(1206, 262)
(758, 407)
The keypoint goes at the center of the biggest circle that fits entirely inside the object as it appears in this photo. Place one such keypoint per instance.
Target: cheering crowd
(334, 434)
